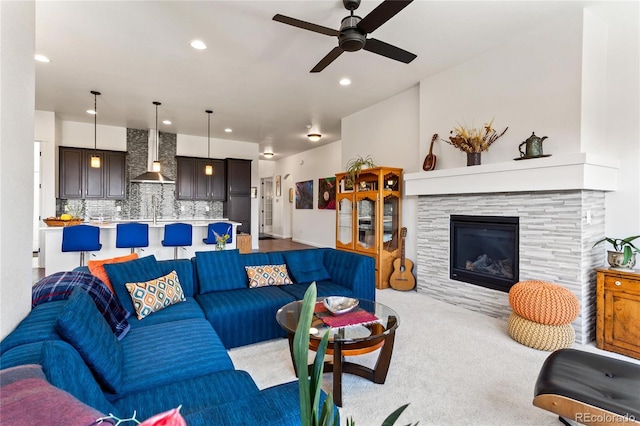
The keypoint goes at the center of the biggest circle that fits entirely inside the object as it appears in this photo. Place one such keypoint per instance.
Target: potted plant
(355, 166)
(623, 255)
(474, 141)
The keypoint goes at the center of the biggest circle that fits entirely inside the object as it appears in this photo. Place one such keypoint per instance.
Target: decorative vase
(473, 158)
(220, 245)
(616, 260)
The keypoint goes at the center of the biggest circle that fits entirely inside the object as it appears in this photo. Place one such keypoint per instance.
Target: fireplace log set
(485, 264)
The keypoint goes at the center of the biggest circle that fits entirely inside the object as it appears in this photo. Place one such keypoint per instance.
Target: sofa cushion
(81, 324)
(66, 370)
(26, 398)
(278, 405)
(139, 270)
(96, 267)
(324, 289)
(193, 394)
(184, 310)
(265, 275)
(30, 353)
(186, 274)
(306, 266)
(245, 316)
(169, 352)
(155, 295)
(220, 270)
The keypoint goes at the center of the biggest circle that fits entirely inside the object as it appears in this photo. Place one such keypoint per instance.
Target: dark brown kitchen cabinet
(114, 174)
(238, 205)
(77, 179)
(194, 184)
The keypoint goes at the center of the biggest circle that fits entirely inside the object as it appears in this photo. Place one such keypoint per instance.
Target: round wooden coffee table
(348, 341)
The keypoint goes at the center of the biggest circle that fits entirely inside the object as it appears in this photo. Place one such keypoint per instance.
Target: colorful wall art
(327, 193)
(304, 195)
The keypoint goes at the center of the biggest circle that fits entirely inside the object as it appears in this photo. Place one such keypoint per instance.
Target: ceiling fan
(352, 35)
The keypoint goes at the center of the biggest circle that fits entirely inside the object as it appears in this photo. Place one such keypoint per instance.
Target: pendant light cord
(208, 134)
(95, 122)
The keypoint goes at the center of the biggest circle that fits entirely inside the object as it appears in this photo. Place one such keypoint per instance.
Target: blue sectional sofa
(178, 354)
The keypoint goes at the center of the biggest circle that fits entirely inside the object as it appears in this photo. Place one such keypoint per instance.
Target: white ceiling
(255, 72)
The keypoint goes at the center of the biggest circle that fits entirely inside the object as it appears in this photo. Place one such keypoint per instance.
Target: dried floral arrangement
(474, 140)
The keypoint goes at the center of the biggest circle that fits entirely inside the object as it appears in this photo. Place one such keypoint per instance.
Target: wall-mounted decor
(254, 192)
(291, 195)
(304, 195)
(327, 193)
(278, 186)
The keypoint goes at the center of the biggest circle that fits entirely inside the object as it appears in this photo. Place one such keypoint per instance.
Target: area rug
(265, 237)
(453, 366)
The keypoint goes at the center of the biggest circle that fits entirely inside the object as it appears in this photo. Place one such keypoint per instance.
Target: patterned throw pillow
(156, 294)
(264, 275)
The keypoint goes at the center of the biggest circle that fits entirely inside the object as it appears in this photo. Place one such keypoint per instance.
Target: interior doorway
(266, 207)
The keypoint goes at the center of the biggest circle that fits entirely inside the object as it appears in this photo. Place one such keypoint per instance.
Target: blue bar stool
(81, 238)
(219, 228)
(177, 235)
(132, 235)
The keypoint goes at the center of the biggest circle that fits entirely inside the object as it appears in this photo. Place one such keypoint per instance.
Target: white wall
(389, 132)
(531, 83)
(621, 112)
(315, 227)
(17, 94)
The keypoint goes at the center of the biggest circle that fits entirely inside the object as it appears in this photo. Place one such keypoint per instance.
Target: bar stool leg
(175, 252)
(81, 258)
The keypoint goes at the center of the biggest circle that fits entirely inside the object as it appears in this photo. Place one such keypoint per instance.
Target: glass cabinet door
(344, 237)
(390, 221)
(366, 222)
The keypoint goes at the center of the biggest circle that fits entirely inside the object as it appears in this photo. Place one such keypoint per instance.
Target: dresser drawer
(621, 284)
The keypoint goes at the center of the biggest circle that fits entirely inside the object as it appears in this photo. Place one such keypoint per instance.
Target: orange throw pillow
(96, 267)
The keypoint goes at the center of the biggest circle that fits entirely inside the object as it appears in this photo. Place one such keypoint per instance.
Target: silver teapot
(533, 146)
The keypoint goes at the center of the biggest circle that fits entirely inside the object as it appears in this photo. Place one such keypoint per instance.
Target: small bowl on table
(339, 305)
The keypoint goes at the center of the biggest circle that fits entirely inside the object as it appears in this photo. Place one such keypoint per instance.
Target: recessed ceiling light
(42, 58)
(268, 154)
(166, 122)
(198, 44)
(345, 82)
(228, 130)
(90, 111)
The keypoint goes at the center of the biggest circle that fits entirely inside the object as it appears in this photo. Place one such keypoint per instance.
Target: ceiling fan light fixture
(314, 137)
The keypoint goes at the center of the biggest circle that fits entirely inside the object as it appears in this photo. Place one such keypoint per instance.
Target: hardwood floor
(280, 244)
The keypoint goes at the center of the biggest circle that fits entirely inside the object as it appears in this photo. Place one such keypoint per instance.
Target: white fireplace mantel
(556, 173)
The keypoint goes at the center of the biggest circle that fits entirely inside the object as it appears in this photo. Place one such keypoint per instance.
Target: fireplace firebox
(484, 250)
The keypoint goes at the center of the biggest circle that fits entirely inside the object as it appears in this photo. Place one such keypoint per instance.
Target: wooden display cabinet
(618, 311)
(368, 217)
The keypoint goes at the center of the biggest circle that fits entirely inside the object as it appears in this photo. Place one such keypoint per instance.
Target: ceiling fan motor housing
(351, 39)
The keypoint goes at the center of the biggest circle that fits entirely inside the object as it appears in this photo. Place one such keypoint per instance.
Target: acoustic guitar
(402, 277)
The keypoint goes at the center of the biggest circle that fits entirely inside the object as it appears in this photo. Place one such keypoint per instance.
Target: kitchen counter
(55, 260)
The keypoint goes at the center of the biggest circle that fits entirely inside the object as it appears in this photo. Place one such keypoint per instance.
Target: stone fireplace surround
(560, 202)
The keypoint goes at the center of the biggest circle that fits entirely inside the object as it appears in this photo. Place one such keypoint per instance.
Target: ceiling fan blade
(385, 49)
(324, 62)
(381, 14)
(306, 25)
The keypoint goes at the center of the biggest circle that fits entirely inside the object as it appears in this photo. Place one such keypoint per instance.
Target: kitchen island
(55, 260)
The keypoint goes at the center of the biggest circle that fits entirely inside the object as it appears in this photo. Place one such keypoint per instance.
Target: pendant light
(95, 158)
(208, 169)
(156, 164)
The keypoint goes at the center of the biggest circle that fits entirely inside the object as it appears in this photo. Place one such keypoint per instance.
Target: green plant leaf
(301, 354)
(391, 419)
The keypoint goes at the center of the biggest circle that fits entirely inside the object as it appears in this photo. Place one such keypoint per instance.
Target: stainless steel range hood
(151, 176)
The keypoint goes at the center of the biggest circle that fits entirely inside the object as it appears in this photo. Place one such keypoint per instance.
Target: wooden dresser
(618, 311)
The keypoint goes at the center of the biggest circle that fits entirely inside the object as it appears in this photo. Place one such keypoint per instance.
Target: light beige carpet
(454, 367)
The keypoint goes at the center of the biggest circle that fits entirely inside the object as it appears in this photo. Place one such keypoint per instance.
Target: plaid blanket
(60, 285)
